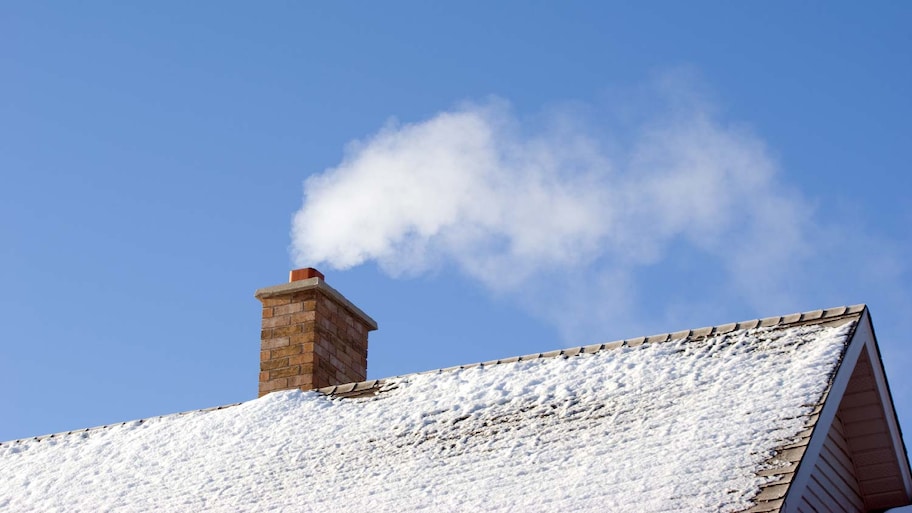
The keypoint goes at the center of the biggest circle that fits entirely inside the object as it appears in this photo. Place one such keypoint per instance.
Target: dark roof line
(364, 388)
(371, 387)
(108, 426)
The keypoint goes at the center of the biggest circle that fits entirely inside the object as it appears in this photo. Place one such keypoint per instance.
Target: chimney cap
(304, 274)
(301, 282)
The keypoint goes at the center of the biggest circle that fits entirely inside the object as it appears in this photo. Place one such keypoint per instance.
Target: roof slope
(696, 422)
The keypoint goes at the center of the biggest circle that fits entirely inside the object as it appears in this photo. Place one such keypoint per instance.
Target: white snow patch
(676, 426)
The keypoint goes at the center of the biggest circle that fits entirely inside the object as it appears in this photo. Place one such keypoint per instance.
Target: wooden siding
(864, 417)
(833, 485)
(857, 468)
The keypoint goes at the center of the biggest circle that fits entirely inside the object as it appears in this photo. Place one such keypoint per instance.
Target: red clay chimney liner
(304, 274)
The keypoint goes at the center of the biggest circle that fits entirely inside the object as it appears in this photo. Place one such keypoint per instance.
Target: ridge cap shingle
(372, 387)
(794, 319)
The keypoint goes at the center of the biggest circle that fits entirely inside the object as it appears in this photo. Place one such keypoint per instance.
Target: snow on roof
(686, 424)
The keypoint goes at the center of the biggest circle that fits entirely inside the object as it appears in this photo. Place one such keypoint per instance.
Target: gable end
(855, 459)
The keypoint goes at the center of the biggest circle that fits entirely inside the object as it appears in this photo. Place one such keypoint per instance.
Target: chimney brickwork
(312, 336)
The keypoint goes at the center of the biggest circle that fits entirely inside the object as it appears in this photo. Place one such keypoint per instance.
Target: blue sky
(621, 171)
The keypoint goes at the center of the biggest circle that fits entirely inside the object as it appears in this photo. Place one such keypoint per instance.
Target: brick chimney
(312, 336)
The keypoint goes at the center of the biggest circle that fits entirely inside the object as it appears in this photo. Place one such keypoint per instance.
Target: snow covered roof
(717, 419)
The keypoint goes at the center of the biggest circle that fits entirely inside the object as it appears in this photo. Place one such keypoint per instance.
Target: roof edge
(370, 387)
(825, 315)
(59, 434)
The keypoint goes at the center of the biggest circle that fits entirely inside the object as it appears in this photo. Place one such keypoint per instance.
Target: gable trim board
(795, 468)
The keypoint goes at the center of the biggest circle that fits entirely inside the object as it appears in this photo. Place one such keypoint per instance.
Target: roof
(719, 419)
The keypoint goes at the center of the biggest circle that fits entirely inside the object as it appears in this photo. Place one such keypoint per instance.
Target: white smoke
(471, 188)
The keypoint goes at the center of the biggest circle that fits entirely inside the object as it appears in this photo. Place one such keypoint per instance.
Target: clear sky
(483, 179)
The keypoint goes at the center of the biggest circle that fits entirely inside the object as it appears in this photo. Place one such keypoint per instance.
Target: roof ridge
(362, 388)
(108, 426)
(368, 387)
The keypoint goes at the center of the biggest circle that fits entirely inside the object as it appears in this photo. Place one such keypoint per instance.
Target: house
(788, 413)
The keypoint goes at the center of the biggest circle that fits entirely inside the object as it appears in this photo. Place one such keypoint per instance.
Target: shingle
(770, 321)
(835, 312)
(620, 343)
(341, 389)
(791, 455)
(788, 319)
(655, 339)
(780, 470)
(855, 309)
(592, 349)
(767, 506)
(748, 325)
(573, 351)
(801, 442)
(678, 335)
(772, 492)
(726, 328)
(367, 384)
(811, 316)
(701, 332)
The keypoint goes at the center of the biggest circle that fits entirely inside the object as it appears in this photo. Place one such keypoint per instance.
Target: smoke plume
(477, 189)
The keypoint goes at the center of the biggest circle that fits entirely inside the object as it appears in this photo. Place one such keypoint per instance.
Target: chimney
(312, 336)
